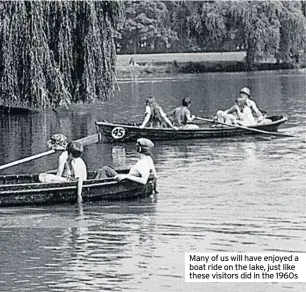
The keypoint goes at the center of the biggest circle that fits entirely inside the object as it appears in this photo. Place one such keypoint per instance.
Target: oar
(27, 159)
(88, 140)
(84, 141)
(246, 128)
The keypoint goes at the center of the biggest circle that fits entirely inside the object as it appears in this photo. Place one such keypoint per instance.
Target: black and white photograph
(153, 146)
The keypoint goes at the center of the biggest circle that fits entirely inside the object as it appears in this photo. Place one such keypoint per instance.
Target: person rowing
(230, 115)
(155, 116)
(140, 171)
(244, 114)
(181, 116)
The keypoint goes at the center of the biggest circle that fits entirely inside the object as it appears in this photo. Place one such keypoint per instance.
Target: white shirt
(79, 168)
(246, 117)
(143, 167)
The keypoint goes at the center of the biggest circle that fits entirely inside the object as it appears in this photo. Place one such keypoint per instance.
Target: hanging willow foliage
(57, 52)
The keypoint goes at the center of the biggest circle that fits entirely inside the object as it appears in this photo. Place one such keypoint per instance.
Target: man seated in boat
(140, 171)
(155, 116)
(230, 115)
(181, 116)
(244, 114)
(71, 167)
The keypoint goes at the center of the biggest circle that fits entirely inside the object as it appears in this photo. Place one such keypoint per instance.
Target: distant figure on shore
(181, 116)
(155, 116)
(140, 171)
(132, 63)
(230, 115)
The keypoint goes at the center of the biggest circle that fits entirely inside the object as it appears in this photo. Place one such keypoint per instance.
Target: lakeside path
(123, 60)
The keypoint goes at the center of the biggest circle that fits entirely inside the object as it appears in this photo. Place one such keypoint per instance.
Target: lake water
(242, 194)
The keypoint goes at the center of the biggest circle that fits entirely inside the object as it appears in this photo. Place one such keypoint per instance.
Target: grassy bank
(193, 63)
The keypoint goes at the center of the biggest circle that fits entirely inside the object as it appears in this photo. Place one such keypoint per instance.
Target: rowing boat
(21, 190)
(115, 132)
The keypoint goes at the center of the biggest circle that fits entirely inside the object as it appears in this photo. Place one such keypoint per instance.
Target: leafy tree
(292, 31)
(145, 27)
(56, 52)
(260, 27)
(179, 12)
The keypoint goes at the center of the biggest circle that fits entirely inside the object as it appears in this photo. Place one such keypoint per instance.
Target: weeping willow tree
(261, 28)
(56, 52)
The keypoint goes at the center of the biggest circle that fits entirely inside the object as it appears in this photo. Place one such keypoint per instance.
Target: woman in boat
(244, 114)
(230, 115)
(155, 116)
(181, 116)
(140, 171)
(59, 142)
(71, 167)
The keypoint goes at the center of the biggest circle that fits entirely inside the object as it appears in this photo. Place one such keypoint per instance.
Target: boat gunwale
(62, 186)
(46, 188)
(282, 119)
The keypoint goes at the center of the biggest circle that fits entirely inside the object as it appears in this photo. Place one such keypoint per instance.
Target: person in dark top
(181, 116)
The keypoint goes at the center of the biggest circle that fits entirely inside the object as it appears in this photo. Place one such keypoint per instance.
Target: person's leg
(51, 178)
(190, 126)
(230, 119)
(222, 116)
(263, 121)
(105, 172)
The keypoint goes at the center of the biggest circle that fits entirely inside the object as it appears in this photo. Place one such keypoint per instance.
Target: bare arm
(147, 117)
(142, 180)
(80, 187)
(232, 109)
(61, 163)
(255, 109)
(189, 117)
(80, 172)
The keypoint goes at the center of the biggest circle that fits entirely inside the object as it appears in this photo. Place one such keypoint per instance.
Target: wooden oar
(84, 141)
(88, 140)
(246, 128)
(27, 159)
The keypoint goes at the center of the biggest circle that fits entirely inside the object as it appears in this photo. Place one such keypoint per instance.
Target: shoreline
(197, 63)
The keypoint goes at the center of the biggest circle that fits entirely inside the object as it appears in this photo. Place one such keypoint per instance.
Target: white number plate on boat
(118, 133)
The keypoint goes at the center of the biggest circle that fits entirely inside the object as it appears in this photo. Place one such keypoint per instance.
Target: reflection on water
(235, 194)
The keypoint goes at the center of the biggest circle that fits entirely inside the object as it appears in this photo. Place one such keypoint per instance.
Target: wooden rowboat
(113, 132)
(21, 190)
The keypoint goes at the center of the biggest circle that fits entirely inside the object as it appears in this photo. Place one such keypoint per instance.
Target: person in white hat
(245, 94)
(58, 142)
(233, 114)
(140, 171)
(72, 168)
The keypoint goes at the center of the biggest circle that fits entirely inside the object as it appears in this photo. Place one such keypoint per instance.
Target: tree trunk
(250, 57)
(135, 43)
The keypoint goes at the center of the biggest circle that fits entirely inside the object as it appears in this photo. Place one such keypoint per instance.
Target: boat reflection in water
(109, 247)
(100, 245)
